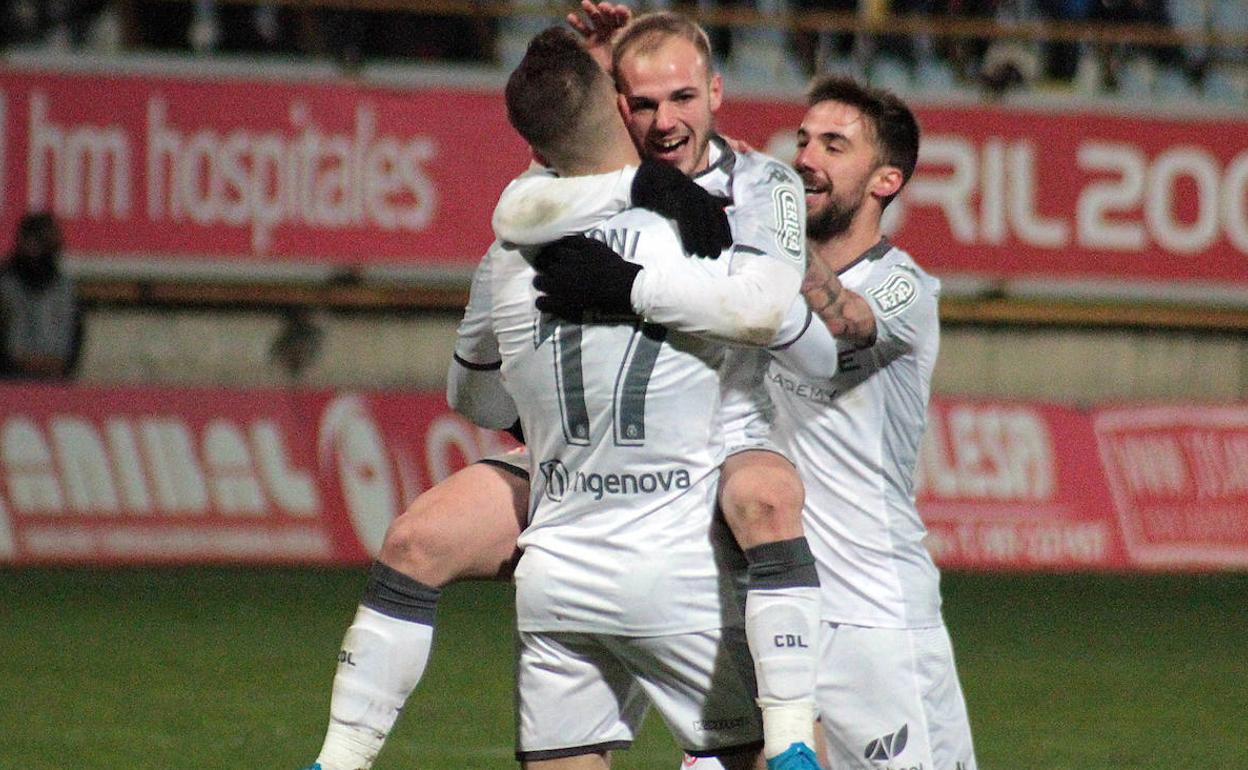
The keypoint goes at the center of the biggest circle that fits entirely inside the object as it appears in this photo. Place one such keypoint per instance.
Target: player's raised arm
(888, 317)
(539, 207)
(749, 305)
(845, 313)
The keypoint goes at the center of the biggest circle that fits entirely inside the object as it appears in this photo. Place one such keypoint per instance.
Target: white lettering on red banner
(216, 170)
(141, 475)
(993, 491)
(986, 453)
(217, 475)
(1179, 479)
(343, 173)
(298, 174)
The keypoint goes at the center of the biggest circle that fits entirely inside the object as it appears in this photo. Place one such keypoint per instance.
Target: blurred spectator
(347, 35)
(40, 323)
(1148, 13)
(353, 37)
(1010, 63)
(59, 23)
(1061, 57)
(817, 50)
(206, 26)
(966, 53)
(298, 343)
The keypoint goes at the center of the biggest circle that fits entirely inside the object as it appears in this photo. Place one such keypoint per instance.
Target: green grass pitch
(205, 668)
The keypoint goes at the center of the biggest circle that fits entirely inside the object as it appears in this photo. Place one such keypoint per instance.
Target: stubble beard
(833, 221)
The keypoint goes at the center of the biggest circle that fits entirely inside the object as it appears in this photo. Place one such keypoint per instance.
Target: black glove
(576, 274)
(699, 216)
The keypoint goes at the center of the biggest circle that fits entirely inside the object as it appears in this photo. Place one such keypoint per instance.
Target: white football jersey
(622, 421)
(855, 439)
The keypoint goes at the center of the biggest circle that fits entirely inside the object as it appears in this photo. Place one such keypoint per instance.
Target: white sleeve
(474, 384)
(747, 306)
(538, 207)
(905, 306)
(905, 309)
(768, 210)
(805, 345)
(768, 216)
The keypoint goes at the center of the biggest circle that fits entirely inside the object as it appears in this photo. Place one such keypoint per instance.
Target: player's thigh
(702, 684)
(761, 496)
(574, 698)
(463, 527)
(892, 696)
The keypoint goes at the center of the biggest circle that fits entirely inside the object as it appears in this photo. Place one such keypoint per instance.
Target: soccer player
(888, 686)
(668, 96)
(620, 597)
(850, 397)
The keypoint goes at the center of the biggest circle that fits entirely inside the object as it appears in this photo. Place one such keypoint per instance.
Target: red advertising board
(1063, 194)
(162, 475)
(1179, 478)
(1010, 485)
(212, 169)
(258, 171)
(142, 475)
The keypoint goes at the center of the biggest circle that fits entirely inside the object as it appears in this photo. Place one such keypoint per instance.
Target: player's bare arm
(846, 314)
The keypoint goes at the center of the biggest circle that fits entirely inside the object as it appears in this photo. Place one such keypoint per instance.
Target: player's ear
(621, 101)
(716, 91)
(886, 181)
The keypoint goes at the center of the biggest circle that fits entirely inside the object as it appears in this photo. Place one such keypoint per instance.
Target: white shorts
(514, 461)
(890, 697)
(586, 693)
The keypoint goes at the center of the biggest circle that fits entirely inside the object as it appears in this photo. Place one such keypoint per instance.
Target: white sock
(381, 661)
(782, 626)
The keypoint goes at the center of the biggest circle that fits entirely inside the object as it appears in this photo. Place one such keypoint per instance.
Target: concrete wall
(235, 348)
(1071, 365)
(389, 351)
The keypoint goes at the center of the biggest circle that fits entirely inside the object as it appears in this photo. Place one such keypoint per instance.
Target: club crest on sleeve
(898, 292)
(789, 222)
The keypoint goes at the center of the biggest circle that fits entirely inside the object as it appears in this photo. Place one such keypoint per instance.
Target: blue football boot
(797, 756)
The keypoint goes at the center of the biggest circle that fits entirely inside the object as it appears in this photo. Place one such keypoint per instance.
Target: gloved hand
(576, 274)
(699, 215)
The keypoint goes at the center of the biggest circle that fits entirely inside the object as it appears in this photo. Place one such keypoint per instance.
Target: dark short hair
(893, 127)
(550, 92)
(648, 31)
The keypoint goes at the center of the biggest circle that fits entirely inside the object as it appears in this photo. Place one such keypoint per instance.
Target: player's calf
(761, 496)
(465, 527)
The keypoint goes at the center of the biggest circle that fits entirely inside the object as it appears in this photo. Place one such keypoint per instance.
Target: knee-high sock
(382, 658)
(781, 624)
